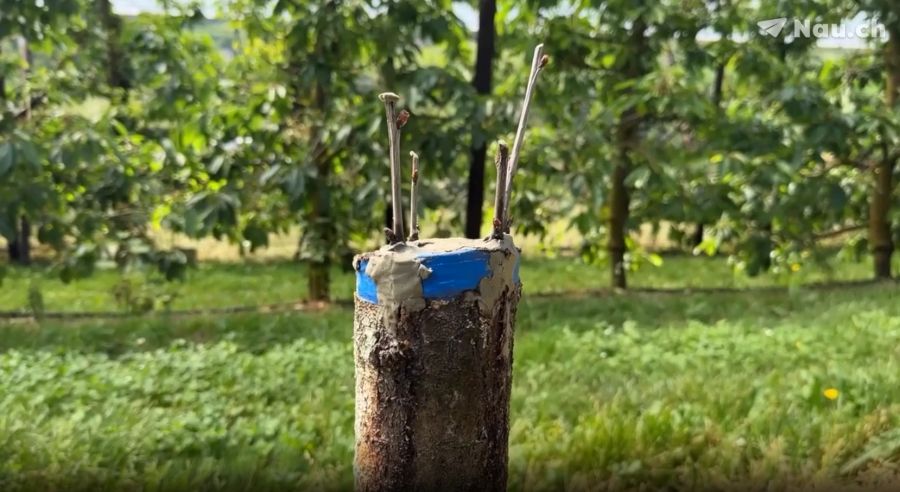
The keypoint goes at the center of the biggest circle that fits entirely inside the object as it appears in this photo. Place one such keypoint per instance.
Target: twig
(539, 61)
(390, 99)
(502, 163)
(840, 231)
(413, 218)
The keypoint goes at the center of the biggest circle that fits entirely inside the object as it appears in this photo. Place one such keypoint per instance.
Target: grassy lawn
(703, 390)
(224, 284)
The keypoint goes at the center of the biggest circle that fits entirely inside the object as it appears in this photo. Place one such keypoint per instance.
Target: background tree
(884, 159)
(484, 63)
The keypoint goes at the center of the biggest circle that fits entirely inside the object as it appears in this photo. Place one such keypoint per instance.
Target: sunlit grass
(619, 390)
(228, 284)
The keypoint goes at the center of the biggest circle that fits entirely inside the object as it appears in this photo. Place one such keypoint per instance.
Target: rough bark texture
(880, 237)
(432, 395)
(484, 61)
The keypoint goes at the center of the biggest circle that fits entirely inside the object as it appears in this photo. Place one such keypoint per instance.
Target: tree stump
(433, 340)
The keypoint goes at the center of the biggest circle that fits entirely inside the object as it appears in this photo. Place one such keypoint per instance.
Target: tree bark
(433, 375)
(620, 202)
(484, 62)
(880, 234)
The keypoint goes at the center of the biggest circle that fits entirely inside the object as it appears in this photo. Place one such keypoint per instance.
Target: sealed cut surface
(432, 391)
(407, 274)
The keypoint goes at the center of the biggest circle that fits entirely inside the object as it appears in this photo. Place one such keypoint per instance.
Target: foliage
(114, 128)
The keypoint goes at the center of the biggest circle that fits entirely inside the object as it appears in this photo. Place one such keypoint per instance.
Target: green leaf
(608, 60)
(7, 157)
(30, 154)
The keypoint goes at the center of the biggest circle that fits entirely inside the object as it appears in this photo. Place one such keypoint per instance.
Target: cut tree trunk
(880, 234)
(433, 355)
(484, 62)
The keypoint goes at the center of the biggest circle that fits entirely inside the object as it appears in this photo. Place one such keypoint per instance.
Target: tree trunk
(766, 260)
(880, 234)
(484, 62)
(718, 83)
(112, 28)
(697, 235)
(19, 249)
(627, 138)
(319, 218)
(434, 366)
(618, 219)
(319, 280)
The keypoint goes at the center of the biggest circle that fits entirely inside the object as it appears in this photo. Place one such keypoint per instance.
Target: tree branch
(390, 99)
(502, 163)
(413, 218)
(538, 62)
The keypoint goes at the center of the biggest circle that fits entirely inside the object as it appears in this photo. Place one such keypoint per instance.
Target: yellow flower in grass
(831, 393)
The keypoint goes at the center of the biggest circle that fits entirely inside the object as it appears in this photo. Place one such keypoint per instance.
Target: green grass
(214, 285)
(614, 390)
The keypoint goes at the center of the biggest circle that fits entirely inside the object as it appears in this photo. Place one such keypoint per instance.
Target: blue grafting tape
(452, 273)
(365, 285)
